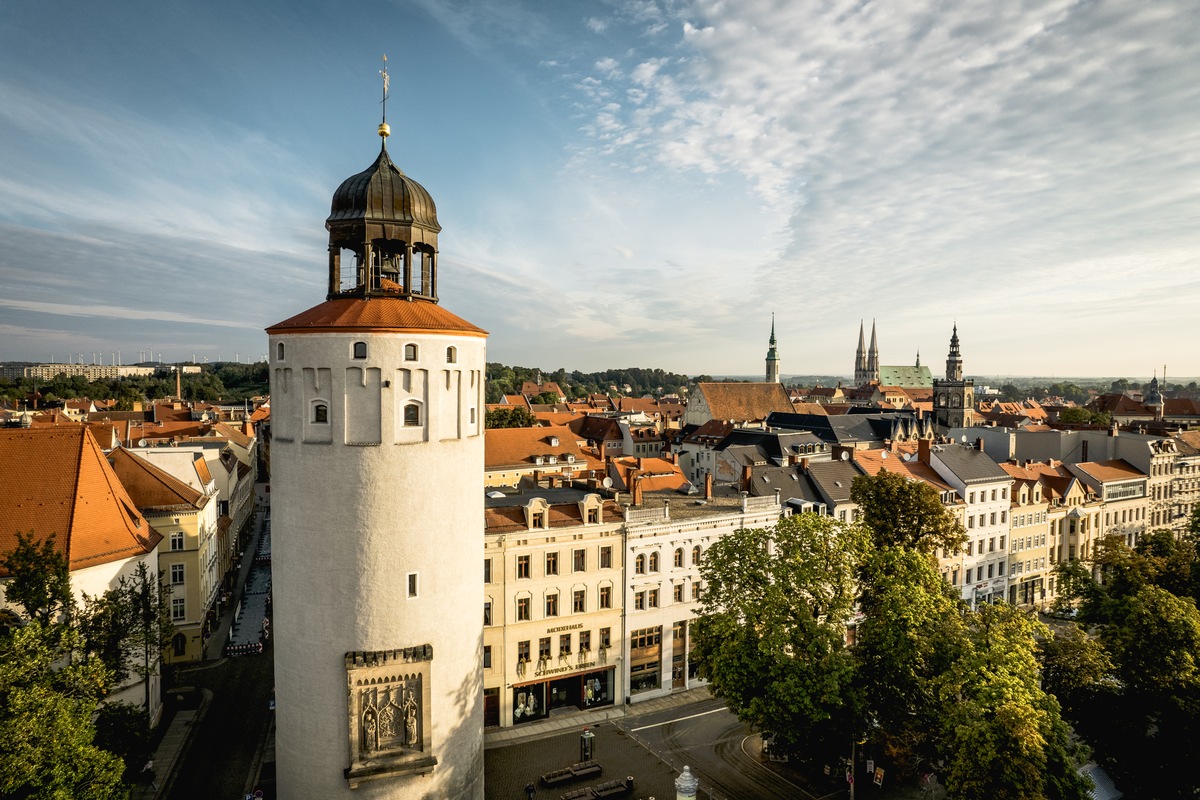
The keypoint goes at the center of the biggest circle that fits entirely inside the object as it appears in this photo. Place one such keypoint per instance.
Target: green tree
(1003, 735)
(46, 732)
(123, 729)
(905, 513)
(128, 626)
(1076, 669)
(910, 634)
(510, 417)
(771, 634)
(546, 399)
(40, 578)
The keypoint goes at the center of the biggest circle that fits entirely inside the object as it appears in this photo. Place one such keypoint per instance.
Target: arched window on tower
(360, 349)
(410, 352)
(451, 355)
(320, 414)
(279, 352)
(412, 415)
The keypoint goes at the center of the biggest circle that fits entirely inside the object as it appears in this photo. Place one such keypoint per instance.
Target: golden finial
(384, 129)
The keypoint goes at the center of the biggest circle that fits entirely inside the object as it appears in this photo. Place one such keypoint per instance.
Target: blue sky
(624, 183)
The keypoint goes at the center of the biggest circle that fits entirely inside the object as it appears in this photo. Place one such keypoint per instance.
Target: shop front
(578, 689)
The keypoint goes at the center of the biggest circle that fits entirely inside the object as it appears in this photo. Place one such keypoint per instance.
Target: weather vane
(384, 129)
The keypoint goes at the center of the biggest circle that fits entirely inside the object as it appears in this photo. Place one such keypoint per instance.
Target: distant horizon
(716, 377)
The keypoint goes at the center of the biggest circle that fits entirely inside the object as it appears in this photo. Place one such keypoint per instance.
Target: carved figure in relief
(370, 730)
(410, 718)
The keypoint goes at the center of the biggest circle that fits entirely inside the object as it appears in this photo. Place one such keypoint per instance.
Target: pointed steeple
(873, 356)
(954, 368)
(772, 356)
(860, 355)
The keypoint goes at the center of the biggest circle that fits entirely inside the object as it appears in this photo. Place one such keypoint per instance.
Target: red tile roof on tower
(57, 481)
(376, 314)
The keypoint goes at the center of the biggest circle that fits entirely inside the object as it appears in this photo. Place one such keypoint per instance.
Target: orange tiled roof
(376, 314)
(152, 487)
(745, 401)
(1117, 470)
(510, 447)
(873, 462)
(656, 474)
(58, 481)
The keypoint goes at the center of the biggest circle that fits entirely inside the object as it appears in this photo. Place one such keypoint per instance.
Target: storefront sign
(557, 670)
(562, 628)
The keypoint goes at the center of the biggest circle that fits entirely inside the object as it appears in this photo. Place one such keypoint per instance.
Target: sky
(622, 182)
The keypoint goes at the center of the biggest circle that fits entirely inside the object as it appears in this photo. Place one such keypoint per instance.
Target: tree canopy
(905, 513)
(40, 580)
(771, 637)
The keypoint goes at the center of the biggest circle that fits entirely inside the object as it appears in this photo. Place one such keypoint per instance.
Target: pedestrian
(148, 775)
(530, 791)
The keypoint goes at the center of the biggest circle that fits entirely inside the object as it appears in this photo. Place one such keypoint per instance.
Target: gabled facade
(190, 554)
(58, 481)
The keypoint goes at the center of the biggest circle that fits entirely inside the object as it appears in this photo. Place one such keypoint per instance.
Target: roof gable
(57, 481)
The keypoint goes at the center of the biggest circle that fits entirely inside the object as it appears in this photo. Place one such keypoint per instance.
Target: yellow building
(188, 556)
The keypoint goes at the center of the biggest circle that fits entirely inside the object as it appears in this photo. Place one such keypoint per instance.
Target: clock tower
(954, 397)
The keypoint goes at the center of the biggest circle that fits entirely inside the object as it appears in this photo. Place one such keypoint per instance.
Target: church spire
(772, 356)
(954, 368)
(873, 356)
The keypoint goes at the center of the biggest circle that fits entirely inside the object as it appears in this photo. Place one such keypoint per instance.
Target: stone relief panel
(389, 713)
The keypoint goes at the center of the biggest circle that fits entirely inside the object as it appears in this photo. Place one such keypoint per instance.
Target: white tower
(377, 506)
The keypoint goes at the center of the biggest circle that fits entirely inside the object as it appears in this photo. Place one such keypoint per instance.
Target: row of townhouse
(1020, 517)
(589, 604)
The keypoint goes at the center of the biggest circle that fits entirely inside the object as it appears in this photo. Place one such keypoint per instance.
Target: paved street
(653, 748)
(221, 756)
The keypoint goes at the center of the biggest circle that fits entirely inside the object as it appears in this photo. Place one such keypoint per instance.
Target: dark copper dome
(386, 224)
(383, 193)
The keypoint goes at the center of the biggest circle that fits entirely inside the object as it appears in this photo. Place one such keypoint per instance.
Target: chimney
(979, 444)
(923, 451)
(708, 486)
(178, 390)
(537, 478)
(746, 479)
(804, 465)
(1085, 451)
(635, 481)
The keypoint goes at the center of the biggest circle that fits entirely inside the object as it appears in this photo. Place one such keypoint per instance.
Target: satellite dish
(883, 455)
(142, 442)
(845, 456)
(606, 483)
(964, 438)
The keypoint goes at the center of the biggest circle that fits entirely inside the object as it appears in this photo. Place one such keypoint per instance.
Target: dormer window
(360, 349)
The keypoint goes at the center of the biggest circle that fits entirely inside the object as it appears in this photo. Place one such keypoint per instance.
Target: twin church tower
(377, 404)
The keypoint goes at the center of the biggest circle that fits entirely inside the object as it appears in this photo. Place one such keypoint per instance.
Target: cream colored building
(552, 605)
(189, 556)
(665, 543)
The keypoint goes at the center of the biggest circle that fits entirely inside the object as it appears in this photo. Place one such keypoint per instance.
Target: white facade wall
(647, 537)
(985, 560)
(360, 503)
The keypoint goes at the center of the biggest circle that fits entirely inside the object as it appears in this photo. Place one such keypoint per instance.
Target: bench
(613, 788)
(617, 788)
(583, 769)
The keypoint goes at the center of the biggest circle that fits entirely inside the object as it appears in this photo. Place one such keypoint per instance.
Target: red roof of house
(58, 481)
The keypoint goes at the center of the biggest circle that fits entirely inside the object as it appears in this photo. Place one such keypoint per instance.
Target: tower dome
(383, 232)
(382, 195)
